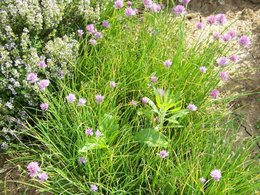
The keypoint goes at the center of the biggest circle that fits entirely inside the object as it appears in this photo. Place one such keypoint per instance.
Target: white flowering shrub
(35, 37)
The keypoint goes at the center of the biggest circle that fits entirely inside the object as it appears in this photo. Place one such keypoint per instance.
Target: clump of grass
(148, 125)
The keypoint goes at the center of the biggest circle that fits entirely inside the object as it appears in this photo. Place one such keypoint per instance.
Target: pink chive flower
(130, 12)
(89, 132)
(202, 180)
(129, 3)
(147, 3)
(98, 35)
(80, 32)
(153, 79)
(44, 106)
(222, 61)
(118, 4)
(232, 33)
(43, 84)
(216, 36)
(144, 100)
(224, 76)
(211, 20)
(199, 25)
(33, 169)
(161, 92)
(82, 102)
(43, 177)
(32, 77)
(112, 84)
(71, 98)
(98, 134)
(93, 187)
(234, 58)
(227, 37)
(163, 154)
(203, 69)
(167, 63)
(179, 10)
(192, 107)
(91, 28)
(99, 98)
(82, 160)
(105, 24)
(133, 103)
(184, 2)
(221, 19)
(214, 93)
(42, 64)
(244, 41)
(216, 174)
(155, 7)
(92, 41)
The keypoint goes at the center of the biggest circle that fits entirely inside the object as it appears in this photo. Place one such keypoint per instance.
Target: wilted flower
(89, 132)
(80, 32)
(244, 41)
(130, 12)
(167, 63)
(234, 58)
(92, 41)
(99, 99)
(154, 79)
(82, 102)
(211, 19)
(214, 93)
(221, 19)
(42, 64)
(105, 24)
(144, 100)
(222, 61)
(199, 25)
(112, 84)
(119, 4)
(44, 106)
(133, 103)
(98, 133)
(43, 84)
(192, 107)
(203, 69)
(71, 98)
(224, 76)
(93, 187)
(163, 154)
(179, 10)
(32, 77)
(216, 174)
(82, 160)
(33, 169)
(202, 180)
(43, 176)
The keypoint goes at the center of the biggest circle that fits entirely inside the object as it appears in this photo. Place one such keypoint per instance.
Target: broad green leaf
(93, 144)
(178, 114)
(110, 127)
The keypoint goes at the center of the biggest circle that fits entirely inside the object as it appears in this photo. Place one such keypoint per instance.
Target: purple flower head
(192, 107)
(71, 98)
(202, 180)
(98, 133)
(222, 61)
(244, 41)
(112, 84)
(161, 92)
(179, 10)
(82, 102)
(43, 84)
(184, 2)
(221, 19)
(216, 174)
(163, 154)
(232, 33)
(234, 58)
(199, 25)
(130, 12)
(203, 69)
(144, 100)
(216, 36)
(99, 98)
(91, 29)
(214, 93)
(133, 103)
(80, 32)
(93, 188)
(82, 160)
(42, 64)
(119, 4)
(227, 37)
(155, 7)
(147, 3)
(167, 63)
(32, 77)
(224, 76)
(44, 106)
(33, 169)
(211, 20)
(43, 177)
(154, 79)
(105, 24)
(98, 35)
(89, 132)
(129, 3)
(92, 41)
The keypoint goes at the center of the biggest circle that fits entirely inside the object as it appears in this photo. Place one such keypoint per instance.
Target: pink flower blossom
(105, 24)
(192, 107)
(167, 63)
(99, 98)
(227, 37)
(224, 76)
(199, 25)
(129, 3)
(202, 180)
(211, 20)
(144, 100)
(92, 41)
(98, 133)
(82, 160)
(43, 176)
(184, 2)
(33, 169)
(98, 35)
(163, 154)
(130, 12)
(43, 84)
(119, 4)
(216, 174)
(155, 7)
(234, 58)
(89, 132)
(91, 29)
(214, 93)
(221, 19)
(216, 36)
(244, 41)
(82, 102)
(222, 61)
(154, 79)
(147, 3)
(112, 84)
(203, 69)
(32, 77)
(93, 188)
(44, 106)
(80, 32)
(161, 92)
(179, 10)
(71, 98)
(42, 64)
(232, 33)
